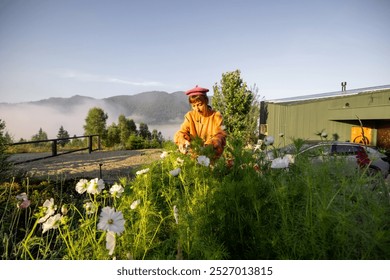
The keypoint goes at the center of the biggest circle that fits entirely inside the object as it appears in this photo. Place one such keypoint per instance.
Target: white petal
(135, 204)
(143, 171)
(164, 154)
(280, 162)
(175, 172)
(269, 140)
(110, 242)
(203, 160)
(22, 196)
(176, 214)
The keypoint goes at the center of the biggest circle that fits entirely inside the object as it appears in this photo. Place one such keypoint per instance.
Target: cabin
(357, 115)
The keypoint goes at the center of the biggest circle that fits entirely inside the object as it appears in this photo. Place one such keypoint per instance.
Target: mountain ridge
(154, 108)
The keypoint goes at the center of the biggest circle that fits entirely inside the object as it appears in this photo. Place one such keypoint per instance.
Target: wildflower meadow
(193, 207)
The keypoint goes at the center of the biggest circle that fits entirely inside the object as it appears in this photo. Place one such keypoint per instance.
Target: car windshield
(292, 149)
(374, 153)
(316, 150)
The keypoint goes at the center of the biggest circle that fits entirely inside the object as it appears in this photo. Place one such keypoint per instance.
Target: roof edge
(328, 94)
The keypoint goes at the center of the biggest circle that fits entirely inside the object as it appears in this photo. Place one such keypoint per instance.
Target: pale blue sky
(53, 48)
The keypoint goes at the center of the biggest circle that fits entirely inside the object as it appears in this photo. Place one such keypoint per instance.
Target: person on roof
(202, 122)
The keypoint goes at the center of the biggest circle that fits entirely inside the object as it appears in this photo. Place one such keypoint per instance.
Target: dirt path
(113, 164)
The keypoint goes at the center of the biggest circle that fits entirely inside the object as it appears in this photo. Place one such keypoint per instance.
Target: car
(354, 153)
(373, 153)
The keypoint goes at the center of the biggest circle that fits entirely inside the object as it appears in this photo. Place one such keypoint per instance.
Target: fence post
(99, 144)
(54, 148)
(90, 143)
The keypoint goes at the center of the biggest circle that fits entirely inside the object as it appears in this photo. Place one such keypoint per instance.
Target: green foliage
(125, 135)
(7, 137)
(62, 133)
(235, 208)
(95, 122)
(144, 131)
(197, 147)
(234, 100)
(41, 135)
(119, 134)
(298, 144)
(157, 136)
(76, 142)
(126, 127)
(252, 128)
(5, 165)
(134, 142)
(113, 135)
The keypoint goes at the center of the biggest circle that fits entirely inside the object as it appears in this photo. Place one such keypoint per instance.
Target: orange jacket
(209, 129)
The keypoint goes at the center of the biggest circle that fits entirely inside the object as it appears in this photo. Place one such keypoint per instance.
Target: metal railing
(54, 150)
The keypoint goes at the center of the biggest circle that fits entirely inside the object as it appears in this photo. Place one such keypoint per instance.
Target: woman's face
(200, 107)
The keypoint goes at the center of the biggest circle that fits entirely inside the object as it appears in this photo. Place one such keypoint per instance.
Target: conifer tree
(234, 100)
(41, 135)
(62, 133)
(126, 127)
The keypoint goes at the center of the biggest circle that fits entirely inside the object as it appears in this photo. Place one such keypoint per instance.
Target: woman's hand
(183, 148)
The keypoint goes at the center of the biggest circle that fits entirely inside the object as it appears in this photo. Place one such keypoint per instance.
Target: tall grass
(235, 208)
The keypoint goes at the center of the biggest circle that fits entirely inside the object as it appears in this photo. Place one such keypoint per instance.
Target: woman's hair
(198, 98)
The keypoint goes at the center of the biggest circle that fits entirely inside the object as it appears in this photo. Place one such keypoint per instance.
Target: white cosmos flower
(25, 201)
(89, 207)
(269, 140)
(164, 154)
(143, 171)
(52, 222)
(180, 161)
(175, 172)
(111, 220)
(50, 209)
(203, 160)
(116, 190)
(81, 186)
(176, 214)
(64, 209)
(282, 162)
(95, 186)
(110, 242)
(257, 148)
(22, 196)
(135, 204)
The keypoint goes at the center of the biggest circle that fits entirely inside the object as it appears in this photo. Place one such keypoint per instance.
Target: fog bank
(23, 120)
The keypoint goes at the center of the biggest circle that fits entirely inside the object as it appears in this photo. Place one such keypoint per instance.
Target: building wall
(334, 116)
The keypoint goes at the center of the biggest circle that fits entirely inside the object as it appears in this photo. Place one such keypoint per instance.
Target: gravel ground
(110, 164)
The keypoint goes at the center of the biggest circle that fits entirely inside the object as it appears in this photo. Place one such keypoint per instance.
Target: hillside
(157, 109)
(151, 107)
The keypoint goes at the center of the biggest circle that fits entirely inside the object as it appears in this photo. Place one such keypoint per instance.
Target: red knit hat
(196, 91)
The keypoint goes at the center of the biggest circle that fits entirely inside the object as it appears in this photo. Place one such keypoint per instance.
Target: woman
(202, 122)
